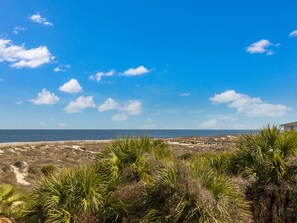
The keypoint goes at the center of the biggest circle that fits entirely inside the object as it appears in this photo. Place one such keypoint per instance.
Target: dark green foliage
(268, 160)
(48, 170)
(71, 195)
(134, 159)
(138, 180)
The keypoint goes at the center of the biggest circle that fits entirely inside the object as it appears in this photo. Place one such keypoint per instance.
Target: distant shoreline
(42, 136)
(37, 143)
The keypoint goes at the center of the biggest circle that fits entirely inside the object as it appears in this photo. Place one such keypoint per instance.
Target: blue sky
(147, 64)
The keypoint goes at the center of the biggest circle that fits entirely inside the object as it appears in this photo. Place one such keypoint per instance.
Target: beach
(21, 163)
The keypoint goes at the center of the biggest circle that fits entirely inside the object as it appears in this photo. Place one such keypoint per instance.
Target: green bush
(69, 196)
(48, 169)
(134, 158)
(138, 180)
(268, 160)
(8, 196)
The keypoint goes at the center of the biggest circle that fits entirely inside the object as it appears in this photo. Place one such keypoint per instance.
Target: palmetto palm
(7, 198)
(134, 158)
(192, 193)
(137, 180)
(267, 159)
(68, 196)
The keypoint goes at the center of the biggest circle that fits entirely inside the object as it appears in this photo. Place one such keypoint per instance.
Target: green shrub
(192, 194)
(134, 158)
(268, 159)
(48, 169)
(8, 197)
(138, 180)
(69, 196)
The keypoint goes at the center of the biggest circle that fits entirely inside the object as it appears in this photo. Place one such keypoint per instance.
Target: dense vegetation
(140, 180)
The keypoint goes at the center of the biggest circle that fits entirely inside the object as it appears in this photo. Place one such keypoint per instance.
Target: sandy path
(20, 176)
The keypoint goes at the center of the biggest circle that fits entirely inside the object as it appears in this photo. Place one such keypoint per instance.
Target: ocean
(69, 135)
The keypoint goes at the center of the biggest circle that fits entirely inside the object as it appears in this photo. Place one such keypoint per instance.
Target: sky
(147, 64)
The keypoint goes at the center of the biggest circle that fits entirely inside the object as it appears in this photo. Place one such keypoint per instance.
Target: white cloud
(61, 68)
(253, 107)
(71, 86)
(225, 97)
(45, 98)
(133, 107)
(98, 76)
(17, 29)
(20, 57)
(39, 19)
(119, 117)
(80, 104)
(130, 72)
(42, 123)
(261, 46)
(293, 33)
(109, 104)
(136, 71)
(210, 124)
(187, 94)
(19, 102)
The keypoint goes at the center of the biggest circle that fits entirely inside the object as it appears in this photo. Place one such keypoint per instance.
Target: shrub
(138, 180)
(48, 169)
(267, 158)
(134, 158)
(192, 194)
(8, 197)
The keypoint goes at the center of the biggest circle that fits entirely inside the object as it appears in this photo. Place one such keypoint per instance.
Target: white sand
(79, 149)
(20, 176)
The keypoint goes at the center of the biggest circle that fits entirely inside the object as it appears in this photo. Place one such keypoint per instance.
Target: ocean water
(68, 135)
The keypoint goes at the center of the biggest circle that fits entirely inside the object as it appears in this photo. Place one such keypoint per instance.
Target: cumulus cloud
(133, 107)
(61, 68)
(72, 87)
(136, 71)
(98, 76)
(80, 104)
(293, 33)
(39, 19)
(261, 47)
(209, 124)
(119, 117)
(45, 97)
(253, 107)
(17, 29)
(108, 105)
(20, 57)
